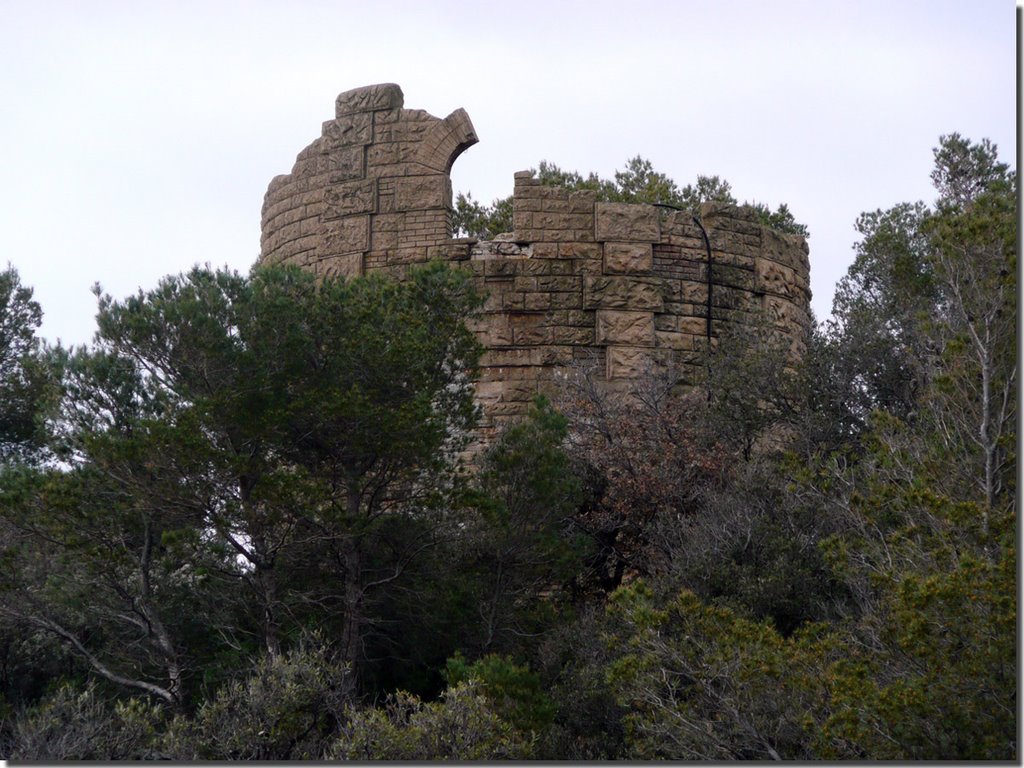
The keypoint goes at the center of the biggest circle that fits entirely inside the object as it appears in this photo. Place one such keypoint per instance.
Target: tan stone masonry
(619, 285)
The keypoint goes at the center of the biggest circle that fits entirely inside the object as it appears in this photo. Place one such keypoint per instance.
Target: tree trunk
(353, 620)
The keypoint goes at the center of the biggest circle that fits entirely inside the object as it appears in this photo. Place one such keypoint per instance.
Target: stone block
(530, 337)
(579, 251)
(391, 153)
(368, 99)
(631, 363)
(633, 293)
(348, 235)
(674, 341)
(496, 332)
(626, 222)
(524, 283)
(624, 258)
(537, 268)
(343, 164)
(536, 301)
(786, 315)
(416, 193)
(582, 201)
(789, 250)
(567, 300)
(348, 266)
(570, 335)
(774, 278)
(558, 283)
(352, 198)
(348, 131)
(694, 326)
(500, 268)
(634, 329)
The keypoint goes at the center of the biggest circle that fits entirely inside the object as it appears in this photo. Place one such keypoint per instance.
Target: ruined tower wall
(372, 192)
(620, 286)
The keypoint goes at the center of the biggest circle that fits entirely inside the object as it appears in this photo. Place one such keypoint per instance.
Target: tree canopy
(238, 526)
(638, 182)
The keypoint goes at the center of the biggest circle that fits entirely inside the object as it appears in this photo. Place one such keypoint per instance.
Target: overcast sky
(138, 137)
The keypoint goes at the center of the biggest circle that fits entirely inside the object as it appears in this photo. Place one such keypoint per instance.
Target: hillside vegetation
(236, 526)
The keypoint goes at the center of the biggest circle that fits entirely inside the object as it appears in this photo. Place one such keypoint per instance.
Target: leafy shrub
(287, 709)
(462, 725)
(78, 724)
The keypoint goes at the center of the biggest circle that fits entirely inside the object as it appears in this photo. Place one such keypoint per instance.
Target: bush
(287, 709)
(78, 724)
(463, 725)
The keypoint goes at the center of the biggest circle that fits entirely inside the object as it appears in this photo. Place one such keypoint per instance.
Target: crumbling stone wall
(617, 285)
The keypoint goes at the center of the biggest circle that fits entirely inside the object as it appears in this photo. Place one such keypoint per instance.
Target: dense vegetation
(638, 182)
(236, 526)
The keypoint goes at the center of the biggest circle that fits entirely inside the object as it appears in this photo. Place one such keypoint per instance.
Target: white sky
(138, 137)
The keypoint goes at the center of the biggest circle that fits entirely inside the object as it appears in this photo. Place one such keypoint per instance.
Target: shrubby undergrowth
(236, 526)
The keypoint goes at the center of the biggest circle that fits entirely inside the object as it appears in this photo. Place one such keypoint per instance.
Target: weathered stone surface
(446, 140)
(343, 163)
(348, 131)
(347, 199)
(631, 363)
(623, 293)
(789, 250)
(626, 222)
(368, 99)
(415, 193)
(348, 235)
(348, 265)
(621, 327)
(625, 258)
(616, 285)
(773, 277)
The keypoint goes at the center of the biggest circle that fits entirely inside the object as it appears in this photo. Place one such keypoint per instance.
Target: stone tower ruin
(622, 286)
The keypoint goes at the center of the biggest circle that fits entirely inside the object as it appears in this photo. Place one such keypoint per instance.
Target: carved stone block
(348, 265)
(348, 235)
(622, 258)
(623, 293)
(368, 99)
(626, 222)
(631, 363)
(343, 163)
(352, 198)
(415, 193)
(348, 131)
(619, 327)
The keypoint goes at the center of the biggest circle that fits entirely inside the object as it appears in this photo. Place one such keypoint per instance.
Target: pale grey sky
(138, 137)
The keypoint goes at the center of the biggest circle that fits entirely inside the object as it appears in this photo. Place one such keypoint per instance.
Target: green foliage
(287, 708)
(781, 219)
(258, 520)
(461, 726)
(637, 182)
(24, 380)
(965, 171)
(514, 690)
(78, 724)
(702, 684)
(945, 686)
(751, 385)
(523, 551)
(471, 219)
(573, 661)
(756, 547)
(937, 676)
(242, 449)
